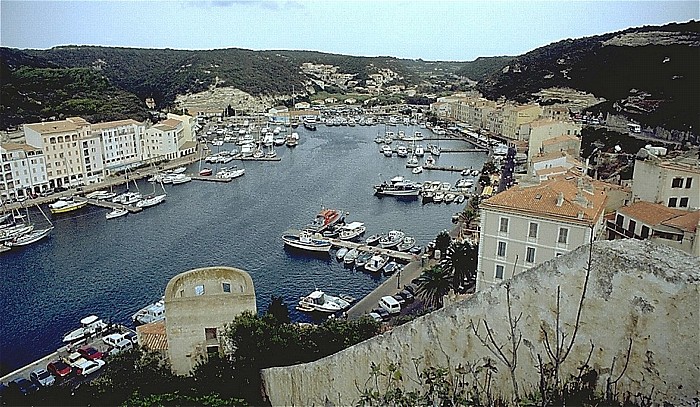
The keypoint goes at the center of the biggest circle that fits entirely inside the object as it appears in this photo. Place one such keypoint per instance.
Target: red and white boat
(324, 219)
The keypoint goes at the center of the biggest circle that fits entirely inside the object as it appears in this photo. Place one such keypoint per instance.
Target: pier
(108, 204)
(210, 179)
(241, 158)
(403, 256)
(464, 150)
(443, 168)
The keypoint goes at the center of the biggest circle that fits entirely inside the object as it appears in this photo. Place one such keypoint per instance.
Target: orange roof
(649, 212)
(688, 222)
(152, 336)
(171, 122)
(541, 199)
(60, 126)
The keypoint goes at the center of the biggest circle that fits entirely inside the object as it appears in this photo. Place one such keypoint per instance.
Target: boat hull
(316, 245)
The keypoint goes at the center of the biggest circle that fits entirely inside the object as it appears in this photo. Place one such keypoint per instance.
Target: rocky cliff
(639, 322)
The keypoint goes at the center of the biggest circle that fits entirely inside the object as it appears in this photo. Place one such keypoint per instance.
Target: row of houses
(544, 218)
(73, 152)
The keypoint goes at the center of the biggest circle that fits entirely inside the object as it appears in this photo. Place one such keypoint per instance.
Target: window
(677, 183)
(645, 231)
(210, 333)
(532, 231)
(688, 182)
(683, 203)
(501, 249)
(199, 290)
(226, 287)
(632, 226)
(672, 202)
(503, 228)
(563, 237)
(530, 255)
(619, 220)
(499, 272)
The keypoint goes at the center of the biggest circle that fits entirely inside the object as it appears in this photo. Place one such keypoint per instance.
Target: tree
(433, 284)
(442, 241)
(461, 259)
(278, 310)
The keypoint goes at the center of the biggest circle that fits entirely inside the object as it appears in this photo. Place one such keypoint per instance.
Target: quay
(63, 352)
(403, 256)
(443, 168)
(257, 159)
(464, 150)
(108, 204)
(210, 179)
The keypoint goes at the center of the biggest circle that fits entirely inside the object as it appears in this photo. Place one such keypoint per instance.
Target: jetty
(464, 150)
(241, 158)
(108, 204)
(403, 256)
(210, 179)
(443, 168)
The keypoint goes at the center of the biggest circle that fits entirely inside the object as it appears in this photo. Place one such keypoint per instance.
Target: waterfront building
(527, 225)
(673, 182)
(199, 303)
(61, 143)
(121, 143)
(515, 116)
(92, 158)
(170, 139)
(22, 171)
(669, 226)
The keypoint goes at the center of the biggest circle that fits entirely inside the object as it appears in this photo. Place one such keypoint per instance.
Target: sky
(455, 30)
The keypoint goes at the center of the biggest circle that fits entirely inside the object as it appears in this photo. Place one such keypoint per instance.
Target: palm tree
(460, 261)
(433, 284)
(442, 241)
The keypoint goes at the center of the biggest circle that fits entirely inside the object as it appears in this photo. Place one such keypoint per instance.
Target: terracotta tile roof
(541, 199)
(152, 336)
(688, 222)
(548, 156)
(650, 213)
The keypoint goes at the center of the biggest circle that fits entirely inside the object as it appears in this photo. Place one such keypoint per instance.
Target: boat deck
(108, 204)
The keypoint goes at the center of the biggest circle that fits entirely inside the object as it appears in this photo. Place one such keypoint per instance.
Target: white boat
(100, 195)
(373, 240)
(179, 170)
(116, 212)
(320, 301)
(398, 186)
(230, 173)
(402, 151)
(406, 244)
(460, 198)
(435, 150)
(30, 238)
(417, 170)
(305, 241)
(429, 161)
(376, 262)
(438, 196)
(66, 205)
(89, 326)
(181, 179)
(151, 313)
(152, 200)
(280, 139)
(352, 230)
(15, 231)
(392, 239)
(351, 256)
(341, 253)
(419, 151)
(412, 162)
(363, 258)
(247, 150)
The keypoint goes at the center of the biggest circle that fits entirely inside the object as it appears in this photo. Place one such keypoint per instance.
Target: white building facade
(674, 182)
(22, 171)
(121, 143)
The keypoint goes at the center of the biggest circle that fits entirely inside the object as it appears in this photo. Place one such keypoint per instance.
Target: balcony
(620, 231)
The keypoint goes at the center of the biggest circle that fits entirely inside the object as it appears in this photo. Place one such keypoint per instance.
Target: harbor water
(111, 268)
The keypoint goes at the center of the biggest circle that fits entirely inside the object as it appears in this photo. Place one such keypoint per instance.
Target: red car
(59, 368)
(90, 353)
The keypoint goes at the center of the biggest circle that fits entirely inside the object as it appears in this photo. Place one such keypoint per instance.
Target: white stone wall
(637, 290)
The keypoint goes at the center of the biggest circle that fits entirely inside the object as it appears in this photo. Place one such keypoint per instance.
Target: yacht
(352, 230)
(320, 301)
(151, 200)
(89, 326)
(151, 313)
(398, 186)
(181, 179)
(66, 205)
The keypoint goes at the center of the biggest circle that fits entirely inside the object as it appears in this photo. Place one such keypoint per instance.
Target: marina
(92, 265)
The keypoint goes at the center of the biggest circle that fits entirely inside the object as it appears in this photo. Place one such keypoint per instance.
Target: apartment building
(169, 139)
(516, 116)
(121, 143)
(527, 225)
(61, 144)
(659, 223)
(673, 182)
(549, 165)
(22, 171)
(541, 130)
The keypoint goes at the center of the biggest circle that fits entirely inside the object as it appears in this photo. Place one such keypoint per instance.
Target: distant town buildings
(199, 303)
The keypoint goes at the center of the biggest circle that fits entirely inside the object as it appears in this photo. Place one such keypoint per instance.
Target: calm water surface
(113, 268)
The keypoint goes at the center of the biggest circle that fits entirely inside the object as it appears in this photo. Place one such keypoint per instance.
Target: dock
(210, 179)
(395, 254)
(108, 204)
(443, 168)
(464, 150)
(241, 158)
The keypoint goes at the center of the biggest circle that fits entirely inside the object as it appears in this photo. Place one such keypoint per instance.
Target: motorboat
(379, 139)
(66, 205)
(438, 196)
(417, 170)
(352, 230)
(323, 220)
(179, 170)
(280, 139)
(363, 258)
(402, 151)
(412, 162)
(116, 213)
(376, 262)
(230, 173)
(435, 150)
(341, 253)
(390, 268)
(350, 257)
(292, 139)
(459, 199)
(398, 186)
(305, 241)
(30, 237)
(151, 313)
(100, 195)
(127, 198)
(322, 302)
(450, 197)
(205, 172)
(373, 240)
(181, 179)
(445, 187)
(464, 183)
(429, 161)
(89, 326)
(392, 239)
(406, 244)
(419, 151)
(387, 151)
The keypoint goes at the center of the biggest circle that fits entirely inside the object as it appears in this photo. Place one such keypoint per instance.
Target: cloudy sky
(433, 30)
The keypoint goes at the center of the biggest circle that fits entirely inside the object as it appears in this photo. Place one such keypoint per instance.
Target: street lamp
(398, 279)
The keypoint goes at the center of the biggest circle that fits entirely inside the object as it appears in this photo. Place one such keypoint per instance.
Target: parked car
(75, 359)
(90, 353)
(23, 386)
(382, 313)
(407, 295)
(121, 346)
(132, 337)
(90, 366)
(42, 377)
(59, 368)
(399, 299)
(390, 304)
(375, 316)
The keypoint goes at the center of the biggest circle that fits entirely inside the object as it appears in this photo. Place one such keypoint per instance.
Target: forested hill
(650, 73)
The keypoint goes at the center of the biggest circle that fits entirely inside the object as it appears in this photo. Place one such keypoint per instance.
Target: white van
(121, 346)
(390, 304)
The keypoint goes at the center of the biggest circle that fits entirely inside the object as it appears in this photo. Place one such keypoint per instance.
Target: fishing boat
(341, 253)
(373, 240)
(350, 257)
(387, 151)
(352, 230)
(417, 170)
(376, 263)
(392, 239)
(89, 326)
(116, 213)
(305, 241)
(323, 220)
(66, 205)
(363, 258)
(412, 162)
(406, 244)
(322, 302)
